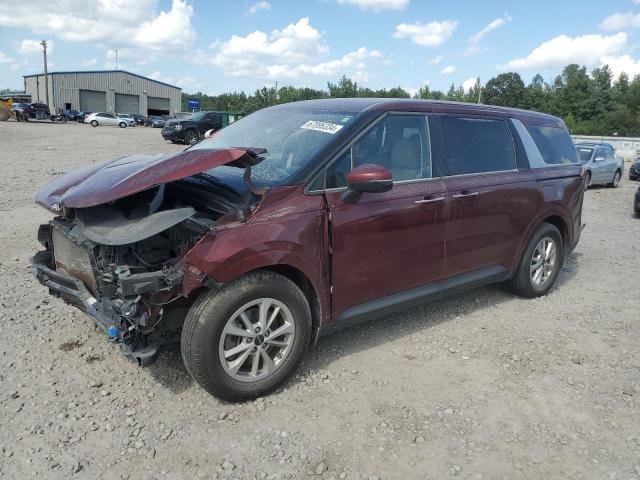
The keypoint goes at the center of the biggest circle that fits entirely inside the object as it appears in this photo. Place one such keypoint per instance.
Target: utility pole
(46, 73)
(116, 59)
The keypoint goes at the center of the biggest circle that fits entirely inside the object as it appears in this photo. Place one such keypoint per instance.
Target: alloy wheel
(256, 340)
(191, 138)
(543, 261)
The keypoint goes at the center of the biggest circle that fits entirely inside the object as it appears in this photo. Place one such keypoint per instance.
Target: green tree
(507, 90)
(345, 88)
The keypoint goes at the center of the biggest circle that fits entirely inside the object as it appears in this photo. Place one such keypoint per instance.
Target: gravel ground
(481, 385)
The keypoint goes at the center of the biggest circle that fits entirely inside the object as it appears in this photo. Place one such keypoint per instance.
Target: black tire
(207, 318)
(587, 180)
(522, 284)
(122, 125)
(615, 181)
(191, 137)
(94, 123)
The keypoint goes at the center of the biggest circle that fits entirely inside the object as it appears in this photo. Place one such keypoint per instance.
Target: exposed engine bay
(122, 262)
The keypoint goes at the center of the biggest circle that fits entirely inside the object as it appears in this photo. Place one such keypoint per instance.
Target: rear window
(477, 145)
(555, 145)
(585, 154)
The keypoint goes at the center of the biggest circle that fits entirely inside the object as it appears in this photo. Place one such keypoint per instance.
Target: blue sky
(218, 46)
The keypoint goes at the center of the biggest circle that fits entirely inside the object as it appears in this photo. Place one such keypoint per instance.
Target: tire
(587, 180)
(206, 336)
(122, 125)
(615, 181)
(523, 283)
(94, 123)
(191, 137)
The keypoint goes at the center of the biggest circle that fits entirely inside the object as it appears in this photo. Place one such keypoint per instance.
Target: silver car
(105, 118)
(601, 166)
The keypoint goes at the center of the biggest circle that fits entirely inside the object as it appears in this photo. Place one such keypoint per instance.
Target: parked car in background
(140, 119)
(192, 129)
(155, 121)
(128, 117)
(308, 217)
(105, 118)
(36, 111)
(20, 110)
(636, 203)
(82, 115)
(70, 114)
(634, 170)
(600, 164)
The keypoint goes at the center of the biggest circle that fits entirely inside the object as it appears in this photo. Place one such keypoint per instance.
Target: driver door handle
(429, 200)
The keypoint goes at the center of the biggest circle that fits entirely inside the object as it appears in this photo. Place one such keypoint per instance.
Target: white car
(105, 118)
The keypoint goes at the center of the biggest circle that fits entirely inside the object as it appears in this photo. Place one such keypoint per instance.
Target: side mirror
(598, 159)
(367, 179)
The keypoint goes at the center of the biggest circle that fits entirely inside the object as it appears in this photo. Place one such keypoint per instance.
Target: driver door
(385, 244)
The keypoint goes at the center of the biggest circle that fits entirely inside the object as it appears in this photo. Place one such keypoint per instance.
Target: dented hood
(102, 183)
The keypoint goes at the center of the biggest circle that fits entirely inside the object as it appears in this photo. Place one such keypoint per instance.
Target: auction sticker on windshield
(325, 127)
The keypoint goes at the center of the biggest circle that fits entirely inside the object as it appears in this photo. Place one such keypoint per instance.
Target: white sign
(325, 127)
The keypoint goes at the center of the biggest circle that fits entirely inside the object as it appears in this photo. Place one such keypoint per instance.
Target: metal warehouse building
(116, 91)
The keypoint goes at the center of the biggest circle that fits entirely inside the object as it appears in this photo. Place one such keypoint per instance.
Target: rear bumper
(74, 292)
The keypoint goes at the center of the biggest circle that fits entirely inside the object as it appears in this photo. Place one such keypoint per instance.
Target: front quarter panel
(287, 229)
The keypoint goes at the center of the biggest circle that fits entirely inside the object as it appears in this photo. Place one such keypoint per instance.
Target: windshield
(292, 138)
(585, 154)
(196, 116)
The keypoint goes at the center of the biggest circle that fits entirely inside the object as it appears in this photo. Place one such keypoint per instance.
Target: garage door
(92, 101)
(127, 103)
(157, 106)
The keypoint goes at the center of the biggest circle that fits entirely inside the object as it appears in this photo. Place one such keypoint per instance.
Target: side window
(477, 145)
(215, 118)
(397, 142)
(610, 155)
(555, 145)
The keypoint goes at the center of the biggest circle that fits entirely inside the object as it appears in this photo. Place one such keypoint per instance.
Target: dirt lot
(483, 385)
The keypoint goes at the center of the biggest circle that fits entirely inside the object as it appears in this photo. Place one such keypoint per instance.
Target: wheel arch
(559, 222)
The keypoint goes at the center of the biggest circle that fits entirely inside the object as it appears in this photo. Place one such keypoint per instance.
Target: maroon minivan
(308, 217)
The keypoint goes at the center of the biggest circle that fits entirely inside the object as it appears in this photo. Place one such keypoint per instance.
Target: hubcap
(543, 261)
(256, 339)
(616, 179)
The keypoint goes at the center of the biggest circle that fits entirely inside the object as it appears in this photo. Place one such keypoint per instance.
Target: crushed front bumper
(73, 291)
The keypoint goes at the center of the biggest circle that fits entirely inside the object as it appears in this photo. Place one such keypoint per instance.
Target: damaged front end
(122, 262)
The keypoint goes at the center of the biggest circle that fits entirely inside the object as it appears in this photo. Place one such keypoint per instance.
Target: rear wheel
(94, 123)
(122, 125)
(191, 137)
(616, 180)
(587, 180)
(540, 263)
(247, 338)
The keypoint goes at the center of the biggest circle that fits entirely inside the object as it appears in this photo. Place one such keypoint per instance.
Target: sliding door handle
(429, 200)
(464, 194)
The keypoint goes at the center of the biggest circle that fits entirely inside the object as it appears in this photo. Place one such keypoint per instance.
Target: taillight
(582, 170)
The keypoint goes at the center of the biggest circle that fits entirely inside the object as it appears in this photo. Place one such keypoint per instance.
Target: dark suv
(191, 130)
(305, 218)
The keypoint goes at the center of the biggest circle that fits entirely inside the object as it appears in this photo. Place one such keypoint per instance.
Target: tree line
(591, 103)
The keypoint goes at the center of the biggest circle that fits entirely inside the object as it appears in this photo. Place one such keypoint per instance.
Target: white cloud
(92, 62)
(33, 47)
(117, 23)
(262, 6)
(297, 50)
(188, 83)
(448, 70)
(563, 50)
(377, 5)
(4, 58)
(469, 83)
(474, 41)
(436, 60)
(623, 63)
(429, 34)
(621, 21)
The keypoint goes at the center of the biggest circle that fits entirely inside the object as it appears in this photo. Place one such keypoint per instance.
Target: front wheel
(540, 263)
(616, 180)
(94, 123)
(122, 125)
(191, 137)
(587, 180)
(244, 340)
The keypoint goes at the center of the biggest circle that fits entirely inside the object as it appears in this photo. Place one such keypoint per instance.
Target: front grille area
(72, 258)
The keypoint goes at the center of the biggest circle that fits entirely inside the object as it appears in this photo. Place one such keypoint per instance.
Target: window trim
(357, 138)
(504, 120)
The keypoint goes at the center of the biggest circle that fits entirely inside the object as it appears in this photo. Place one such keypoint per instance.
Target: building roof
(103, 71)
